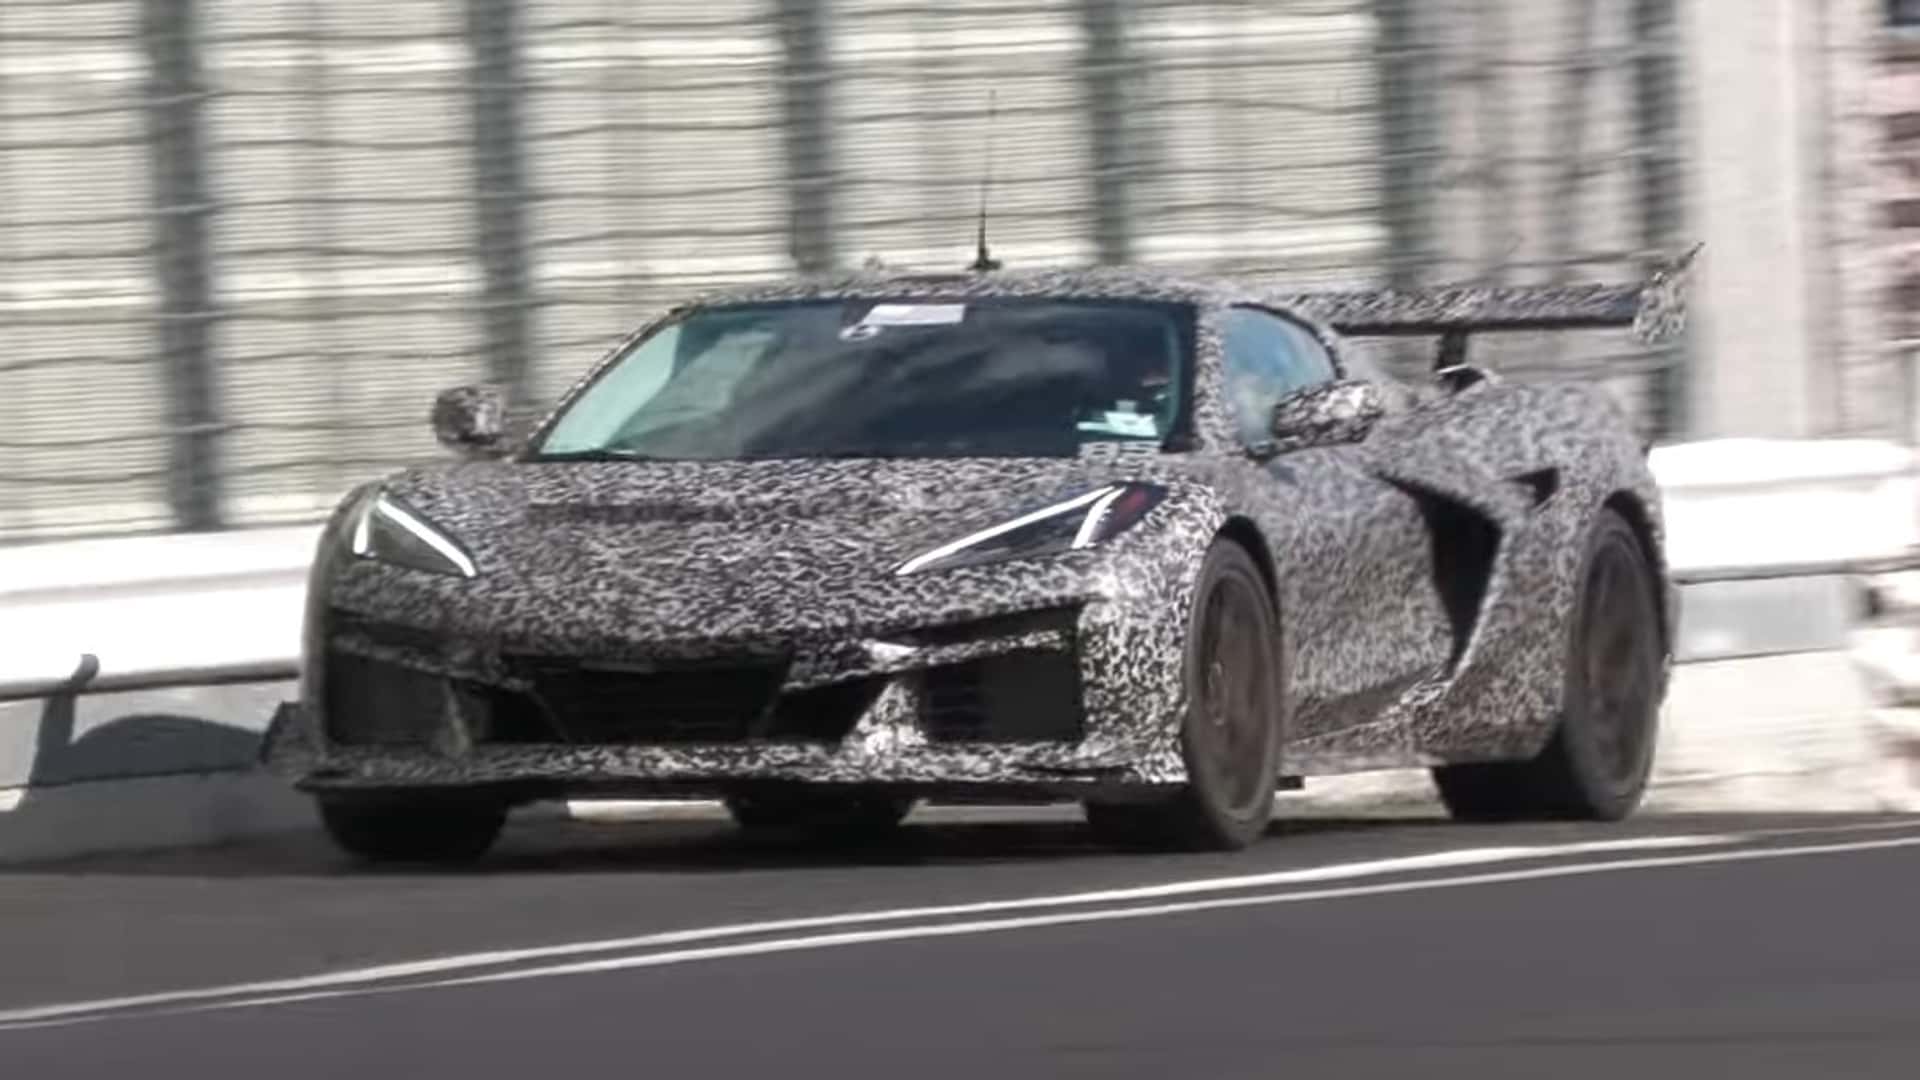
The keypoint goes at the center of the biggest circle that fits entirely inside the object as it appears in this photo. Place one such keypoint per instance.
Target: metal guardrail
(1739, 486)
(87, 678)
(1889, 564)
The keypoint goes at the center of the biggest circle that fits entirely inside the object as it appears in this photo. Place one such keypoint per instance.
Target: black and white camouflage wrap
(1654, 309)
(470, 417)
(695, 559)
(1326, 415)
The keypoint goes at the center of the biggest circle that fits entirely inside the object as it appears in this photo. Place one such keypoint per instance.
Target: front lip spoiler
(1089, 772)
(293, 752)
(564, 771)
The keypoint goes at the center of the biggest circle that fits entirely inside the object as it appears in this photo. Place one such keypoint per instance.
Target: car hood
(677, 548)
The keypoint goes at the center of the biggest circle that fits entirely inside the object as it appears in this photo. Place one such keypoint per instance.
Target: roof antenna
(984, 262)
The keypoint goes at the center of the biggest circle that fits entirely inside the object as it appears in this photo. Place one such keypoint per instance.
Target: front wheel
(1597, 764)
(413, 829)
(1230, 734)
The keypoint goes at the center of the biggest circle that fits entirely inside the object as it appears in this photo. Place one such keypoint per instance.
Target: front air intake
(606, 704)
(1018, 697)
(377, 703)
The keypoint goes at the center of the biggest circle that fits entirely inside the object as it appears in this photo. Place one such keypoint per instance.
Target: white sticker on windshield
(1130, 425)
(915, 315)
(1133, 423)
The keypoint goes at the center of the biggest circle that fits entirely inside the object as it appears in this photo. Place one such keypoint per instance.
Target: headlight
(1081, 522)
(389, 531)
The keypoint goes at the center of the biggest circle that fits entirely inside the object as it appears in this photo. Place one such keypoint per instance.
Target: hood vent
(644, 511)
(630, 513)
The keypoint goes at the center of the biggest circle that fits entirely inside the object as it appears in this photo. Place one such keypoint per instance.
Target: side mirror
(472, 420)
(1326, 414)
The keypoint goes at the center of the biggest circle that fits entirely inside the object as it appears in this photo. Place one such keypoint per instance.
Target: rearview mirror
(1326, 414)
(472, 420)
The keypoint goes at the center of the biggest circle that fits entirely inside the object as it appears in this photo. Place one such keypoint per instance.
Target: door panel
(1364, 616)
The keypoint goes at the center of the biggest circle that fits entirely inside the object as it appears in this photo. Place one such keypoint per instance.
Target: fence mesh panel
(243, 242)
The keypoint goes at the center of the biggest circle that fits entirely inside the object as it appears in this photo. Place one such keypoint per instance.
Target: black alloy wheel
(1232, 728)
(1597, 764)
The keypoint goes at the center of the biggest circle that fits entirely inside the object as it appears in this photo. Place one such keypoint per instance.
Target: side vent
(1541, 485)
(1465, 544)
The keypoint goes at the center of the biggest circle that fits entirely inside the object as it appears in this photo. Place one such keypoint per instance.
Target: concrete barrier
(1779, 702)
(1775, 502)
(182, 609)
(83, 773)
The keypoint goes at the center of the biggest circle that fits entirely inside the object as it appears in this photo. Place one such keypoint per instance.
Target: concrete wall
(1751, 367)
(1896, 154)
(1786, 192)
(164, 768)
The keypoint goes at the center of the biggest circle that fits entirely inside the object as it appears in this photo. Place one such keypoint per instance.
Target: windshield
(866, 378)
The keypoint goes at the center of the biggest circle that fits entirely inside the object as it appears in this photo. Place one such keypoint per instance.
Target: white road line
(495, 958)
(939, 930)
(368, 979)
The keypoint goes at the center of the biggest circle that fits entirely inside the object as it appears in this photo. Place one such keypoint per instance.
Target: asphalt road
(990, 944)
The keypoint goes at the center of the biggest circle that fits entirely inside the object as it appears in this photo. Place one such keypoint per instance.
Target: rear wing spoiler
(1655, 309)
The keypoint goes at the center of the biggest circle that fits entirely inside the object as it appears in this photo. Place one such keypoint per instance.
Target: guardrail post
(1656, 112)
(1104, 82)
(1569, 118)
(1491, 97)
(183, 258)
(806, 83)
(500, 189)
(1410, 123)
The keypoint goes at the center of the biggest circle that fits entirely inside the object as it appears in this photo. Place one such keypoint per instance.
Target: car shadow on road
(707, 843)
(88, 768)
(702, 842)
(1050, 835)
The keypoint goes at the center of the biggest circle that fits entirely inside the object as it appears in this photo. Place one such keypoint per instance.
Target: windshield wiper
(601, 454)
(840, 453)
(929, 449)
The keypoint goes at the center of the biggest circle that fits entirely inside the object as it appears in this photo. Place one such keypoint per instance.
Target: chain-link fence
(242, 242)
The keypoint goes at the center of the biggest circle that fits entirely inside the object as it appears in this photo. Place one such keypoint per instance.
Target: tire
(1230, 732)
(1596, 765)
(414, 829)
(841, 813)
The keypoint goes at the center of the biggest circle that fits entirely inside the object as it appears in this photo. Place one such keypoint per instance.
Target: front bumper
(1061, 700)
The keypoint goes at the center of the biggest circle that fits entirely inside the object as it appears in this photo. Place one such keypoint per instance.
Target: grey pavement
(1795, 966)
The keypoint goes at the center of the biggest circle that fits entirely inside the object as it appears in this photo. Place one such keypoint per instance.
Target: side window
(1267, 358)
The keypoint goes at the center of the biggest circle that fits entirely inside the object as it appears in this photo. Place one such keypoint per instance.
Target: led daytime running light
(1098, 501)
(420, 530)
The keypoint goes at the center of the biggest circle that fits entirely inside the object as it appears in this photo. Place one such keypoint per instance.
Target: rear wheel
(836, 812)
(1596, 765)
(1230, 735)
(414, 829)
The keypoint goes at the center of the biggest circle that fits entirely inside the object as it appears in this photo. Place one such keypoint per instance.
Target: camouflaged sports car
(1156, 545)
